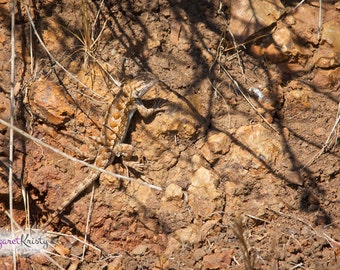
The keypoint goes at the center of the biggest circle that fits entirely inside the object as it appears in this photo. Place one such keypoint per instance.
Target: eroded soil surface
(245, 149)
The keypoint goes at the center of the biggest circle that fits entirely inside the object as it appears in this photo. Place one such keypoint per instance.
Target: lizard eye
(136, 93)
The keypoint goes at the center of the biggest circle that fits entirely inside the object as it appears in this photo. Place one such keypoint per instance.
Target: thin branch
(320, 20)
(88, 219)
(11, 132)
(75, 159)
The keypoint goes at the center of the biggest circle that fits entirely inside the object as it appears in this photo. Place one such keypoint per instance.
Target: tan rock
(220, 260)
(326, 78)
(139, 250)
(320, 131)
(274, 54)
(325, 58)
(298, 97)
(331, 34)
(173, 246)
(257, 144)
(286, 40)
(305, 25)
(217, 144)
(153, 42)
(293, 177)
(144, 196)
(49, 102)
(247, 17)
(202, 192)
(190, 234)
(173, 192)
(4, 112)
(175, 31)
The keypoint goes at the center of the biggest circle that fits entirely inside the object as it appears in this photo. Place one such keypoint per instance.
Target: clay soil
(244, 154)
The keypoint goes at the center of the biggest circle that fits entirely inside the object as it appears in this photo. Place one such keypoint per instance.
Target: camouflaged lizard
(114, 130)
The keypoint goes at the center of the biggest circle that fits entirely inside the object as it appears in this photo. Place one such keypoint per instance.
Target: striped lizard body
(114, 130)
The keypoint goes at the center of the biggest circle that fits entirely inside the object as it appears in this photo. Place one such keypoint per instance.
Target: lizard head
(143, 83)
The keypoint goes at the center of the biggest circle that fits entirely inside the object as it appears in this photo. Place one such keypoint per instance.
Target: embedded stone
(217, 144)
(203, 191)
(49, 102)
(173, 192)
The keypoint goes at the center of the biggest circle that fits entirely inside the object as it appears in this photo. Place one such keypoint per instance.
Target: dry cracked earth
(245, 150)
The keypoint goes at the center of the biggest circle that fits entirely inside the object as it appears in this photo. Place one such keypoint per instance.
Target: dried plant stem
(75, 159)
(249, 259)
(88, 219)
(245, 97)
(331, 140)
(52, 57)
(11, 132)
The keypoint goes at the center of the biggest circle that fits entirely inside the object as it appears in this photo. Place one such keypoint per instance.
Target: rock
(94, 78)
(220, 260)
(305, 26)
(247, 17)
(62, 250)
(298, 97)
(320, 131)
(257, 144)
(202, 192)
(217, 144)
(176, 122)
(323, 78)
(198, 254)
(4, 112)
(334, 76)
(331, 34)
(197, 161)
(293, 177)
(145, 196)
(139, 250)
(190, 234)
(208, 226)
(287, 42)
(175, 31)
(175, 214)
(49, 103)
(153, 42)
(173, 192)
(271, 52)
(173, 246)
(115, 263)
(324, 58)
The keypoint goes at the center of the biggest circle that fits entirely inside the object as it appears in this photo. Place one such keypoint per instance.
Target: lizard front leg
(147, 112)
(127, 152)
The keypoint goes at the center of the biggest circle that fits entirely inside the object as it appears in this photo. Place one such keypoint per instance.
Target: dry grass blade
(246, 98)
(53, 58)
(217, 59)
(236, 46)
(88, 219)
(89, 41)
(331, 141)
(249, 259)
(11, 134)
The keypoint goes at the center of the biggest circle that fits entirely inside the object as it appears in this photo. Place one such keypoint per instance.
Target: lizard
(114, 130)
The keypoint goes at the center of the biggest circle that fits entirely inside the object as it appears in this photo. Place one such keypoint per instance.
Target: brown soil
(242, 187)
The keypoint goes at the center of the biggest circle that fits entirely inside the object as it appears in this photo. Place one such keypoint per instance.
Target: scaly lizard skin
(114, 130)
